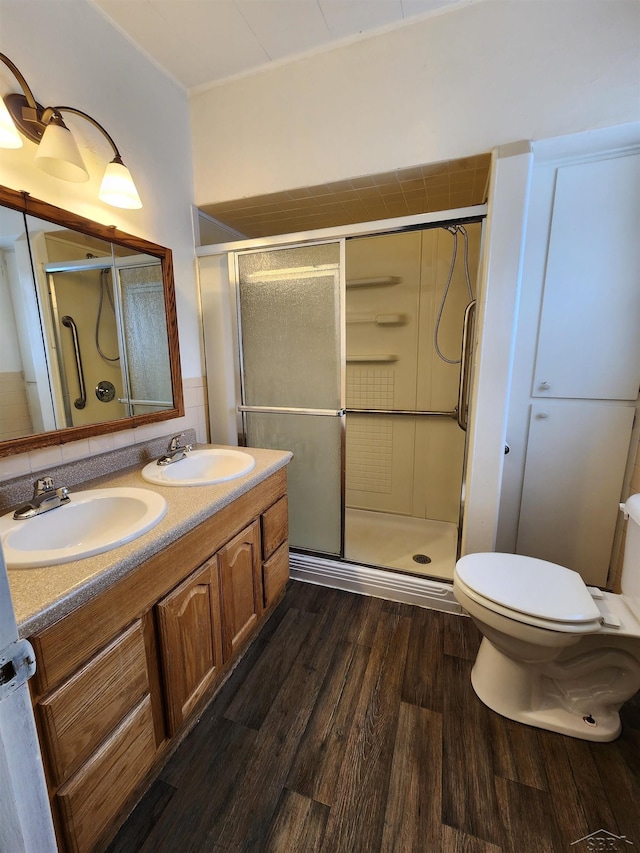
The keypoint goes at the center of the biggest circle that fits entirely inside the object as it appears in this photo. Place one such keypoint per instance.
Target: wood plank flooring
(350, 726)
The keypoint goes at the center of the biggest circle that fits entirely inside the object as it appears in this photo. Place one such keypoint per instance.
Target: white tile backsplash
(76, 450)
(45, 457)
(101, 443)
(195, 417)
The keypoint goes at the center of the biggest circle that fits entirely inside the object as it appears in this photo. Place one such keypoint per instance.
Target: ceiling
(200, 43)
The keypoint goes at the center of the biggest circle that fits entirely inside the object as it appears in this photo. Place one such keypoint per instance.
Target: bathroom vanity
(143, 636)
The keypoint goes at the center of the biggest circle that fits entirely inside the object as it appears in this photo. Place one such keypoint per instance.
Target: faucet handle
(44, 484)
(175, 442)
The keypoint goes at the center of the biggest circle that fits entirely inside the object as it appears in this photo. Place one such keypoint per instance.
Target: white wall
(69, 54)
(472, 79)
(447, 86)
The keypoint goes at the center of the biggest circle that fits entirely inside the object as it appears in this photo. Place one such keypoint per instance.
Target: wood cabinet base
(121, 679)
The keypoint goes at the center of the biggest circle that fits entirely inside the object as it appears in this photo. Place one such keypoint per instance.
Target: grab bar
(161, 404)
(465, 366)
(69, 322)
(284, 410)
(453, 414)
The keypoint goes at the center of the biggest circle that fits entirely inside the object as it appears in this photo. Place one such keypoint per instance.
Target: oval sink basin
(201, 467)
(92, 522)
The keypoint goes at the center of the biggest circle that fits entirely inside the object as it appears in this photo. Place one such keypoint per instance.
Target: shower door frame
(476, 213)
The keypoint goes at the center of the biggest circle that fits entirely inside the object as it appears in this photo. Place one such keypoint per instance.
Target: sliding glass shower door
(292, 345)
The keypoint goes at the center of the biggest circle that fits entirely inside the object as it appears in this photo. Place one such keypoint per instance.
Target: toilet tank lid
(529, 586)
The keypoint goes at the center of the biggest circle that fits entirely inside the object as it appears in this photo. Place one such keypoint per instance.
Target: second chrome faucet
(175, 451)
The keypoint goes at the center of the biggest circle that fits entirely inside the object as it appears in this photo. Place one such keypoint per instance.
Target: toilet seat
(528, 590)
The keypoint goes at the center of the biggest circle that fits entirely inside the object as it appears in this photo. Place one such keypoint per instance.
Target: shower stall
(105, 318)
(409, 313)
(355, 354)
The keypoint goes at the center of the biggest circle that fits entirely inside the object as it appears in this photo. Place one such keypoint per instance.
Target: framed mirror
(88, 328)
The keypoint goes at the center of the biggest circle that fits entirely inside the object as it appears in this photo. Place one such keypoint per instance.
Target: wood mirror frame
(24, 203)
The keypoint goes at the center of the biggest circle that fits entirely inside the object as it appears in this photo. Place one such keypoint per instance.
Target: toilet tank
(630, 579)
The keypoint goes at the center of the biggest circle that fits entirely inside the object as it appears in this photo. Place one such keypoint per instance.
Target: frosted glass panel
(145, 337)
(290, 319)
(314, 474)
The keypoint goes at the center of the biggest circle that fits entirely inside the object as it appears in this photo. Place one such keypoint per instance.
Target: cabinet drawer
(78, 716)
(90, 801)
(275, 574)
(275, 527)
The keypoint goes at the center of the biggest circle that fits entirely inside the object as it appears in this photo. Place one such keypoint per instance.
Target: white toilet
(555, 653)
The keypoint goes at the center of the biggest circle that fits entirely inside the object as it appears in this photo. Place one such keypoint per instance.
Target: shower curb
(377, 583)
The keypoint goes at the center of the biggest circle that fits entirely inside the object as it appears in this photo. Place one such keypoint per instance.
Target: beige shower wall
(78, 295)
(408, 466)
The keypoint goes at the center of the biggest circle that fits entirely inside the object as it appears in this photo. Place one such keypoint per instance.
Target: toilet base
(520, 692)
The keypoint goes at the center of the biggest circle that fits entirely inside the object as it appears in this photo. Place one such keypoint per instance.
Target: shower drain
(421, 558)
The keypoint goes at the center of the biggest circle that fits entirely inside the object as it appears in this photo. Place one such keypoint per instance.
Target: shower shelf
(380, 281)
(372, 358)
(379, 319)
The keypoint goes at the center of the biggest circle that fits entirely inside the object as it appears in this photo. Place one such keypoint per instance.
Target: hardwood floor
(351, 725)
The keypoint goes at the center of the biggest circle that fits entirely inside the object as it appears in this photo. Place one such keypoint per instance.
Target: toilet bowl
(555, 653)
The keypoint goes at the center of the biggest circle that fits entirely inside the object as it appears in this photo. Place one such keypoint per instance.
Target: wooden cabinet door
(189, 622)
(241, 588)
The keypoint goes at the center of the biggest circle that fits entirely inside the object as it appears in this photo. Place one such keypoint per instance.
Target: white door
(25, 817)
(589, 345)
(576, 457)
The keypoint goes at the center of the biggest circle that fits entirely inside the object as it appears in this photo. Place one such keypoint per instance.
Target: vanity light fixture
(58, 153)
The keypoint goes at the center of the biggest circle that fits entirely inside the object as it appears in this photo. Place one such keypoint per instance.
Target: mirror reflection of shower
(406, 298)
(86, 331)
(106, 294)
(106, 320)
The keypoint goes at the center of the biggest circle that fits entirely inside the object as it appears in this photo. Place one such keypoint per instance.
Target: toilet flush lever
(624, 511)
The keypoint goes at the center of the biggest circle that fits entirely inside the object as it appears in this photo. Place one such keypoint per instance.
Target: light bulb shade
(58, 154)
(117, 187)
(9, 136)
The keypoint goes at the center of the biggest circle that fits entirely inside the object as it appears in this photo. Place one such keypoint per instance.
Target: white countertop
(43, 595)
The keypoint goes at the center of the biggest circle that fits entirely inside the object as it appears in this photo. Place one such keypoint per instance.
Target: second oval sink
(93, 521)
(202, 467)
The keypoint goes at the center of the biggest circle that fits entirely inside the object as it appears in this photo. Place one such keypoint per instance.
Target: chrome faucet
(45, 497)
(175, 451)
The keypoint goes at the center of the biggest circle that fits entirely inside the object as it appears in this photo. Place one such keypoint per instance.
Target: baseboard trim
(394, 586)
